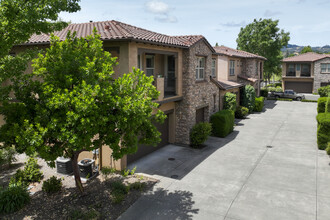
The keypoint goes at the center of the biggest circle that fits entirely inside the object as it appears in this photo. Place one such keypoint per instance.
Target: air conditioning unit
(64, 165)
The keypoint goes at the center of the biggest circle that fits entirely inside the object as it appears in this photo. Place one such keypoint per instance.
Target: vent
(269, 146)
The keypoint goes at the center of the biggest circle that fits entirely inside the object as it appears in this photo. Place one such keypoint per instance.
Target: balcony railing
(291, 73)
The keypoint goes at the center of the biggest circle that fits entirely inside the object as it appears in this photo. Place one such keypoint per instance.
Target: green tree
(216, 44)
(306, 49)
(263, 37)
(76, 105)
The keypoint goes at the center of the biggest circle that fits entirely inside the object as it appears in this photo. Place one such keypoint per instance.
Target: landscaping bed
(97, 201)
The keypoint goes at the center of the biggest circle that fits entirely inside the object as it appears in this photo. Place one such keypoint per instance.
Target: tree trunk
(76, 172)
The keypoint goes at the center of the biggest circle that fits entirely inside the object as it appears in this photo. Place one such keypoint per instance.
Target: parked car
(288, 94)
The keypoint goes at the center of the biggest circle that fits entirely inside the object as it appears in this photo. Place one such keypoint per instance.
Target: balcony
(291, 73)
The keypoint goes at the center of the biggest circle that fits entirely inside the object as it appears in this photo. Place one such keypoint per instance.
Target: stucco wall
(197, 94)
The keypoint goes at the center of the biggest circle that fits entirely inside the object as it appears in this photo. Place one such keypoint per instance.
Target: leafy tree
(76, 105)
(306, 50)
(263, 37)
(19, 20)
(216, 44)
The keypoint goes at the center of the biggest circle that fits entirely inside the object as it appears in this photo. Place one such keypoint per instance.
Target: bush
(199, 133)
(321, 104)
(241, 112)
(52, 185)
(259, 104)
(229, 101)
(274, 89)
(222, 123)
(248, 97)
(137, 186)
(7, 156)
(31, 170)
(323, 130)
(13, 199)
(30, 174)
(106, 171)
(118, 192)
(264, 93)
(328, 149)
(324, 91)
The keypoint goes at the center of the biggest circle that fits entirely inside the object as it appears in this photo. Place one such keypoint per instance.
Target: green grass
(305, 100)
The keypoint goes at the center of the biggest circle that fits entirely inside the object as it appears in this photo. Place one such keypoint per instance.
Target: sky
(308, 21)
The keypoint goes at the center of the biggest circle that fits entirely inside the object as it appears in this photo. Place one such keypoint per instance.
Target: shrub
(328, 149)
(30, 174)
(118, 191)
(229, 101)
(199, 133)
(13, 199)
(321, 104)
(324, 91)
(222, 123)
(323, 130)
(264, 93)
(106, 171)
(7, 156)
(248, 97)
(274, 89)
(259, 104)
(52, 185)
(137, 186)
(31, 170)
(241, 112)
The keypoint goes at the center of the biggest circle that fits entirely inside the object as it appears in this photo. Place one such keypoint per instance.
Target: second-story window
(325, 68)
(232, 67)
(213, 67)
(150, 65)
(291, 70)
(298, 67)
(200, 68)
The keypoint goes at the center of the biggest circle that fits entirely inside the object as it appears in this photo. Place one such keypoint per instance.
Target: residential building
(307, 72)
(236, 68)
(181, 66)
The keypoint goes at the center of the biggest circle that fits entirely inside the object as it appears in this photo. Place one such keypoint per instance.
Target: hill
(293, 48)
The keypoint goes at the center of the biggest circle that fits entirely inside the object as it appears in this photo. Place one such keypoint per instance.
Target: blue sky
(308, 21)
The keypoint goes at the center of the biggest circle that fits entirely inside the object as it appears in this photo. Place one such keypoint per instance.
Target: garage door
(143, 150)
(302, 87)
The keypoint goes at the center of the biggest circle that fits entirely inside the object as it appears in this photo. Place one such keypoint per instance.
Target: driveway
(268, 168)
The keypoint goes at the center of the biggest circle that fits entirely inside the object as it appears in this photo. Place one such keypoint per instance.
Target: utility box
(64, 165)
(86, 168)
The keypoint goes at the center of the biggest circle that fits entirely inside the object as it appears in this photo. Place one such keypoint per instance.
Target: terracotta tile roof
(248, 78)
(236, 53)
(225, 85)
(306, 57)
(115, 30)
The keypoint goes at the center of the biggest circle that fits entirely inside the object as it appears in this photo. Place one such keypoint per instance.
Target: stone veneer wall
(196, 94)
(318, 76)
(250, 69)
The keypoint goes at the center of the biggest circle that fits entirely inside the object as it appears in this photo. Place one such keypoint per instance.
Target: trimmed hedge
(248, 97)
(241, 112)
(222, 123)
(328, 149)
(321, 104)
(259, 104)
(264, 93)
(324, 91)
(199, 133)
(323, 130)
(306, 100)
(229, 101)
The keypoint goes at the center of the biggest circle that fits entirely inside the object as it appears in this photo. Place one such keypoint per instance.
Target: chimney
(90, 21)
(107, 27)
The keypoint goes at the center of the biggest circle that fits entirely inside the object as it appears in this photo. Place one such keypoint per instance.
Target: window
(200, 68)
(291, 70)
(213, 67)
(139, 62)
(325, 68)
(232, 68)
(298, 67)
(150, 65)
(305, 70)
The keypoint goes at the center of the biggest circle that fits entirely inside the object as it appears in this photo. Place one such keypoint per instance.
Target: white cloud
(166, 19)
(234, 24)
(157, 7)
(269, 13)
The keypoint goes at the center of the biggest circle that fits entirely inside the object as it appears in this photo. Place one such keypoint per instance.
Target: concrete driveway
(268, 168)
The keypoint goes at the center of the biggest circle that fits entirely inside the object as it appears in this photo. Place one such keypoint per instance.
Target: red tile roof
(248, 78)
(306, 57)
(225, 85)
(115, 30)
(236, 53)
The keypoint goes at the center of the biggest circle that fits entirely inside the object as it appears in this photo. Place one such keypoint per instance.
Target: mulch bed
(94, 203)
